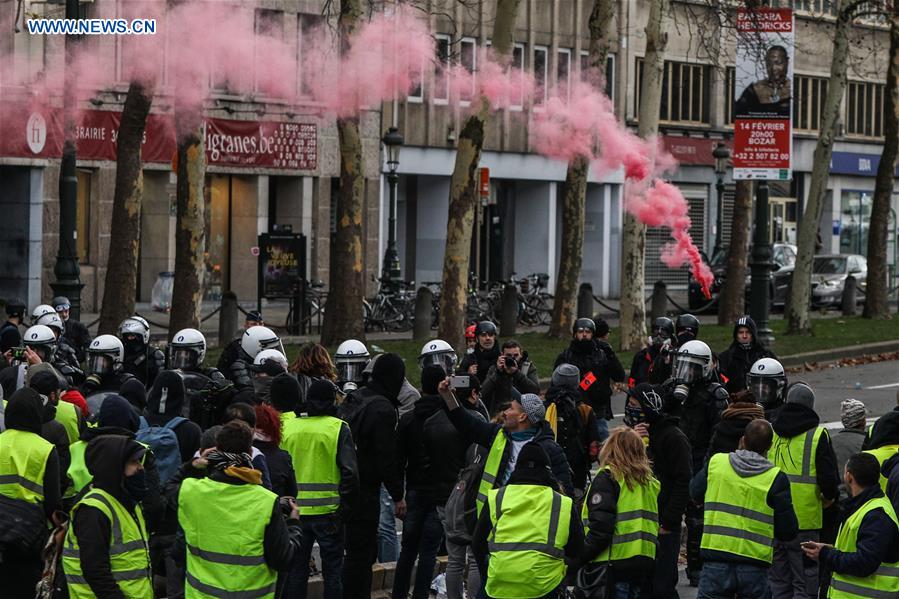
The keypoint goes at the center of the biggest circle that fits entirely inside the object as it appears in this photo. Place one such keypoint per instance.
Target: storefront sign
(282, 262)
(854, 163)
(692, 150)
(763, 102)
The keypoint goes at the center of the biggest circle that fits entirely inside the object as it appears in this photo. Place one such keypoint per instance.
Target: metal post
(66, 270)
(760, 266)
(391, 268)
(719, 222)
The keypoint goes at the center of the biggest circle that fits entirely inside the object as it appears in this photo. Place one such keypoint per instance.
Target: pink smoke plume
(586, 126)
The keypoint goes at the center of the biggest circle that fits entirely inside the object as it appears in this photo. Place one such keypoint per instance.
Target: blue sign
(836, 226)
(854, 163)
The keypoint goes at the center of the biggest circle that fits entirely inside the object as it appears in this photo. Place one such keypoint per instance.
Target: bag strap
(171, 424)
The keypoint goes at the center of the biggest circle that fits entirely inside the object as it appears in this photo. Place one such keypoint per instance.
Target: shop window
(685, 93)
(855, 221)
(730, 84)
(864, 109)
(440, 93)
(540, 74)
(218, 236)
(83, 218)
(563, 71)
(468, 58)
(808, 102)
(609, 75)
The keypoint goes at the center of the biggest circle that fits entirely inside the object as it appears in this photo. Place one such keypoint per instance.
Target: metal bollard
(585, 301)
(510, 311)
(227, 318)
(849, 293)
(424, 312)
(659, 300)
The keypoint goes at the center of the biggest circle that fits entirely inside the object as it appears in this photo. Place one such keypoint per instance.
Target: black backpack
(461, 509)
(570, 429)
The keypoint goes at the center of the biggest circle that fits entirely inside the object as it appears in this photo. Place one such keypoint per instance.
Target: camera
(510, 361)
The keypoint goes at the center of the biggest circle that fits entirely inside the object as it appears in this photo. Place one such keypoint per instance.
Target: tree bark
(799, 299)
(876, 305)
(633, 235)
(121, 271)
(732, 298)
(575, 189)
(464, 195)
(343, 313)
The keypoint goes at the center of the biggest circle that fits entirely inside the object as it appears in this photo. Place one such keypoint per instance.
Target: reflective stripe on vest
(883, 454)
(795, 456)
(636, 523)
(530, 525)
(491, 468)
(225, 554)
(312, 445)
(23, 460)
(884, 583)
(67, 415)
(737, 518)
(129, 556)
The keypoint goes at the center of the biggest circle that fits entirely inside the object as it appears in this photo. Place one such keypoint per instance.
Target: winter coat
(77, 335)
(795, 419)
(890, 470)
(187, 432)
(280, 468)
(846, 444)
(483, 358)
(641, 366)
(748, 463)
(727, 433)
(25, 412)
(877, 540)
(373, 419)
(496, 388)
(145, 364)
(885, 431)
(699, 415)
(734, 362)
(672, 465)
(593, 355)
(578, 454)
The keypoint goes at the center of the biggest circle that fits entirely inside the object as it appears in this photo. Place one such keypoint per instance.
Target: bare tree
(464, 194)
(731, 299)
(575, 189)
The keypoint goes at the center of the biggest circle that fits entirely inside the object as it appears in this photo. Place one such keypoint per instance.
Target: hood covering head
(135, 393)
(749, 463)
(42, 373)
(321, 398)
(431, 376)
(886, 430)
(651, 401)
(117, 412)
(106, 456)
(746, 322)
(387, 376)
(285, 392)
(166, 398)
(25, 411)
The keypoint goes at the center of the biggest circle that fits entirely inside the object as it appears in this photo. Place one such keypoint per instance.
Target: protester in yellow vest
(747, 505)
(29, 484)
(621, 514)
(67, 413)
(865, 559)
(211, 510)
(47, 385)
(324, 460)
(526, 531)
(883, 443)
(106, 551)
(802, 450)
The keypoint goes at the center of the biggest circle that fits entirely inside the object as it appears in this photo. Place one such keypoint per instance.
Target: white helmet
(693, 362)
(256, 339)
(767, 380)
(267, 355)
(54, 322)
(104, 355)
(350, 359)
(41, 310)
(41, 340)
(135, 327)
(438, 352)
(187, 349)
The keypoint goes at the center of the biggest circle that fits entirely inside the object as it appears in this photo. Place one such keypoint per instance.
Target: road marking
(883, 386)
(838, 424)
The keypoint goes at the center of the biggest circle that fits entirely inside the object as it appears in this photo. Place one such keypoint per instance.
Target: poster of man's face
(764, 75)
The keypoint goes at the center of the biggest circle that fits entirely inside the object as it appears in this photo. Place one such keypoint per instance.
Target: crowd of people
(131, 472)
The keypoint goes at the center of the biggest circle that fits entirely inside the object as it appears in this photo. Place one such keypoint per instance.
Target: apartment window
(730, 82)
(440, 93)
(468, 58)
(518, 63)
(308, 28)
(540, 74)
(269, 24)
(563, 71)
(609, 75)
(685, 92)
(811, 6)
(864, 109)
(808, 102)
(83, 219)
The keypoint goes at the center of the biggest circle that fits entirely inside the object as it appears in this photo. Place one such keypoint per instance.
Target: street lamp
(760, 267)
(721, 154)
(393, 141)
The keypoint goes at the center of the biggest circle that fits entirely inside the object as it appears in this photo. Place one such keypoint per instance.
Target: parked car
(784, 258)
(829, 272)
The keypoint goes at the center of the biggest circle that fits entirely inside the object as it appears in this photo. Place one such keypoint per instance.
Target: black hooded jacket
(594, 356)
(795, 419)
(884, 432)
(641, 366)
(890, 470)
(25, 412)
(166, 401)
(734, 362)
(672, 465)
(78, 337)
(482, 358)
(105, 457)
(145, 363)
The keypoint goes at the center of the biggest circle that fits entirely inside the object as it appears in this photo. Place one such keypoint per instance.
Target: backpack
(461, 510)
(163, 442)
(569, 427)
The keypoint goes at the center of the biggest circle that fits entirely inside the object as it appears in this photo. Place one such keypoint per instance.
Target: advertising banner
(282, 261)
(763, 99)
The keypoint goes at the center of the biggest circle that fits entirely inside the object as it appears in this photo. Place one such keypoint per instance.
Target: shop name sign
(854, 163)
(261, 144)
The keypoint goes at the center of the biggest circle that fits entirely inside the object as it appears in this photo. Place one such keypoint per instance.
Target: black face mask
(583, 345)
(633, 415)
(136, 486)
(685, 336)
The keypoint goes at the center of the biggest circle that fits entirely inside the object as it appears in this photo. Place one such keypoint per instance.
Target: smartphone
(459, 382)
(18, 353)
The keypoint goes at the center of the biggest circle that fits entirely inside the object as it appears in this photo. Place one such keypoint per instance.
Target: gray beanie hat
(533, 407)
(801, 394)
(566, 375)
(852, 413)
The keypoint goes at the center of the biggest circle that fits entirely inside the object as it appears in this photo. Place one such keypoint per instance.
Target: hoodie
(672, 464)
(727, 433)
(795, 419)
(482, 358)
(748, 463)
(166, 401)
(734, 362)
(885, 431)
(890, 470)
(25, 412)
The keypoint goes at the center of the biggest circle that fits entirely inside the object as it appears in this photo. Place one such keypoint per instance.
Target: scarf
(235, 465)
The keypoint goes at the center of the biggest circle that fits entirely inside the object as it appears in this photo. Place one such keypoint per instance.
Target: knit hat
(117, 411)
(532, 406)
(284, 392)
(801, 394)
(852, 413)
(321, 395)
(566, 375)
(44, 382)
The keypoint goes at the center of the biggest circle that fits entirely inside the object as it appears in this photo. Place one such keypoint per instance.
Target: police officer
(350, 359)
(105, 372)
(768, 382)
(747, 506)
(76, 333)
(661, 340)
(141, 359)
(231, 352)
(686, 329)
(254, 340)
(324, 460)
(437, 352)
(39, 311)
(10, 335)
(207, 389)
(65, 360)
(40, 346)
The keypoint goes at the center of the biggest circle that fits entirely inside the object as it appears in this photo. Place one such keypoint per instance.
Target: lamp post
(393, 141)
(721, 155)
(760, 267)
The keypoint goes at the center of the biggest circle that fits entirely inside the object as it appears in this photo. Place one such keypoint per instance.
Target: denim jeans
(422, 533)
(792, 575)
(728, 580)
(328, 531)
(626, 590)
(387, 544)
(602, 428)
(455, 566)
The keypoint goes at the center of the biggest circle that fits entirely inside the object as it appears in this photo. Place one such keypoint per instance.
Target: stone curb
(839, 353)
(381, 581)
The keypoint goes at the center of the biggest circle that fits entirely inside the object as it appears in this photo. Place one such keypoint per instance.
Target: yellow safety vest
(795, 456)
(636, 523)
(23, 461)
(312, 445)
(67, 415)
(882, 454)
(78, 472)
(491, 468)
(885, 581)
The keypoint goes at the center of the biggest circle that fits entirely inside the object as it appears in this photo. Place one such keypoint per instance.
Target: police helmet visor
(764, 389)
(99, 364)
(688, 369)
(44, 350)
(183, 357)
(446, 360)
(350, 372)
(132, 339)
(273, 343)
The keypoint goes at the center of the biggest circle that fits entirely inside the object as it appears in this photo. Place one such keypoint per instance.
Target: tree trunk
(876, 305)
(633, 235)
(464, 195)
(575, 189)
(190, 229)
(343, 313)
(799, 299)
(732, 297)
(124, 242)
